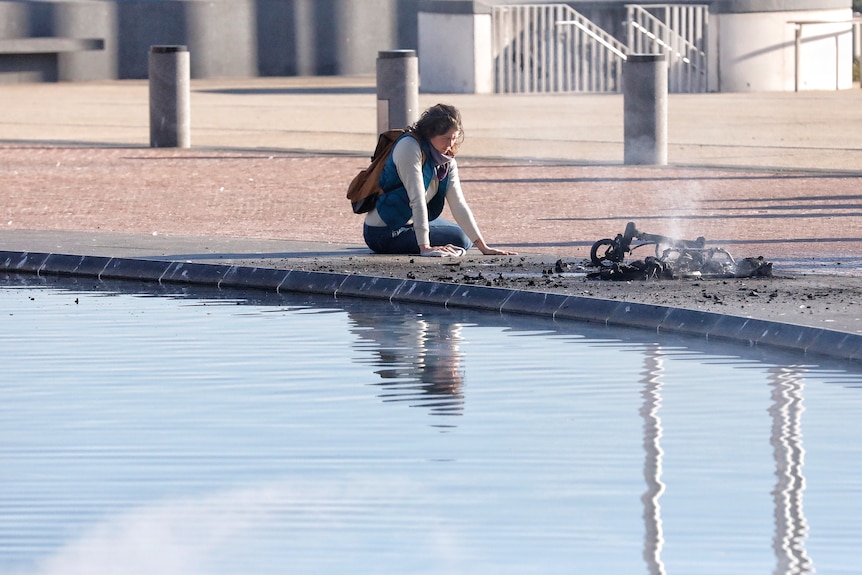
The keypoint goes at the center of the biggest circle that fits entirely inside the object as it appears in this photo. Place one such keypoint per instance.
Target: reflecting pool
(165, 430)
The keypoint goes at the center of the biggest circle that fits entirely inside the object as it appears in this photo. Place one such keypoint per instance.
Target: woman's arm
(407, 156)
(464, 215)
(489, 251)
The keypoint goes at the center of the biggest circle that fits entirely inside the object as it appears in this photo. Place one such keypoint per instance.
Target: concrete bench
(48, 45)
(36, 59)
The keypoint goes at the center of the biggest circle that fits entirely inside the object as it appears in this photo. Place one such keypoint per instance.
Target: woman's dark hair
(438, 120)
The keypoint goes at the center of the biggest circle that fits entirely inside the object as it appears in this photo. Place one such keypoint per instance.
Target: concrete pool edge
(708, 325)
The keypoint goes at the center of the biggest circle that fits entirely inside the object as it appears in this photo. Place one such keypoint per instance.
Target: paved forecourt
(545, 173)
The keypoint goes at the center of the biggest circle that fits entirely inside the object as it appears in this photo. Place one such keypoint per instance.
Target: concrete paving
(559, 144)
(806, 130)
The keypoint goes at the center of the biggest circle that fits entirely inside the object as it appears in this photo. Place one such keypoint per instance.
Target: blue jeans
(382, 240)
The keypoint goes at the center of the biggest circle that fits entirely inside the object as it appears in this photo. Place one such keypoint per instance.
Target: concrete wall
(329, 37)
(757, 51)
(455, 53)
(226, 38)
(265, 37)
(219, 35)
(85, 19)
(752, 45)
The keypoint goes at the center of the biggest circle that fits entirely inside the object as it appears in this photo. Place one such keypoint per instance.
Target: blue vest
(393, 205)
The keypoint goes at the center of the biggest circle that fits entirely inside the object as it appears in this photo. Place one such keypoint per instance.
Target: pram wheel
(606, 250)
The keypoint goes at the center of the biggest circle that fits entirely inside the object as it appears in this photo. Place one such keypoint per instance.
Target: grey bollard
(397, 89)
(645, 109)
(170, 108)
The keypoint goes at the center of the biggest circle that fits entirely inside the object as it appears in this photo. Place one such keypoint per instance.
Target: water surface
(194, 431)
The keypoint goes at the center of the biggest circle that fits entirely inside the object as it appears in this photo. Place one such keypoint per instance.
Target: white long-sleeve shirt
(407, 155)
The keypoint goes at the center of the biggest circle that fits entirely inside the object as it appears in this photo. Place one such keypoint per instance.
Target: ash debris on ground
(673, 258)
(535, 272)
(816, 298)
(658, 268)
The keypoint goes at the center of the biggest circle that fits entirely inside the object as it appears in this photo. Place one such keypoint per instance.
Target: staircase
(554, 48)
(679, 32)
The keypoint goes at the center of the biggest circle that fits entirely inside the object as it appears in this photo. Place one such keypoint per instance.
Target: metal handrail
(680, 49)
(667, 47)
(855, 22)
(607, 44)
(553, 48)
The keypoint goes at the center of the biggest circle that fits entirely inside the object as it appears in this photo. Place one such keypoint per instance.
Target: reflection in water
(653, 537)
(786, 439)
(419, 358)
(240, 443)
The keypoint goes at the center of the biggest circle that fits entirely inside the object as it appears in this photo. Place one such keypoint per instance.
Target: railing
(678, 31)
(852, 29)
(553, 48)
(857, 37)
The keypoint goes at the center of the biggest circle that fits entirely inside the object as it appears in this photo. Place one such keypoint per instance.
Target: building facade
(748, 45)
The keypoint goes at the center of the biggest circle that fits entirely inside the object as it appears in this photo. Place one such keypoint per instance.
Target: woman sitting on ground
(418, 178)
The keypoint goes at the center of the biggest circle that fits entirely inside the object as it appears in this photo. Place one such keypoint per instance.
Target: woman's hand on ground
(496, 252)
(441, 251)
(489, 251)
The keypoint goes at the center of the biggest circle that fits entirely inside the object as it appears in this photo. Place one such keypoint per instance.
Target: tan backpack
(365, 187)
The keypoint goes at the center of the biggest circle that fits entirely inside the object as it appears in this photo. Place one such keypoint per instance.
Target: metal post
(837, 61)
(170, 114)
(645, 109)
(796, 56)
(397, 89)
